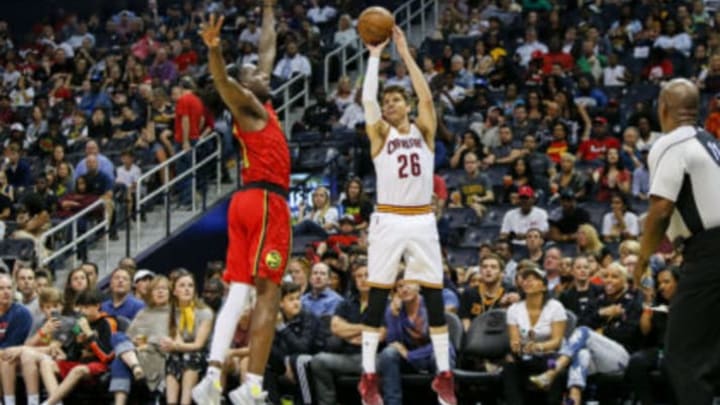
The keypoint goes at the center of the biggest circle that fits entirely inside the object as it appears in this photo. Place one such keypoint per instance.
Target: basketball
(375, 25)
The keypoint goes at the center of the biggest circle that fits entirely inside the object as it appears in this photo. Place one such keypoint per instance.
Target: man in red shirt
(189, 122)
(189, 112)
(598, 144)
(185, 56)
(258, 218)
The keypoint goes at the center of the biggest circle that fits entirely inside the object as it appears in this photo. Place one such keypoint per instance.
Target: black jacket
(626, 328)
(583, 305)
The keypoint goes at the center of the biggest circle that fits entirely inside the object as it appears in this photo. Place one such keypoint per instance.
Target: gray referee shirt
(685, 168)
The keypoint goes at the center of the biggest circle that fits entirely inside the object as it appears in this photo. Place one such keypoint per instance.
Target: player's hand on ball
(210, 31)
(376, 50)
(400, 40)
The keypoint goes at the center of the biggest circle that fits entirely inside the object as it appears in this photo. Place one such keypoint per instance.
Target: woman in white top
(344, 95)
(345, 34)
(536, 326)
(587, 352)
(323, 213)
(619, 224)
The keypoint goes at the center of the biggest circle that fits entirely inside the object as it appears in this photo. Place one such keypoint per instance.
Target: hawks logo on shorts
(273, 259)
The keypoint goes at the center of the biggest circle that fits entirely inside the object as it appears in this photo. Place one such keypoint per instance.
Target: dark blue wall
(192, 246)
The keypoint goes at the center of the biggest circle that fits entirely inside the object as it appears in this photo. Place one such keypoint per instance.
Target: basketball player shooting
(258, 216)
(403, 225)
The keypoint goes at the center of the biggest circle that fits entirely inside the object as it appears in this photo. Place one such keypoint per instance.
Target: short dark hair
(396, 89)
(89, 297)
(288, 288)
(93, 265)
(498, 259)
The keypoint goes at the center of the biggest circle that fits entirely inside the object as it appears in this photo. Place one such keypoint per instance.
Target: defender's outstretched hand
(210, 31)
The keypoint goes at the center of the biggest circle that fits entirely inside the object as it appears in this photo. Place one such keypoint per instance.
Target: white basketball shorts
(412, 237)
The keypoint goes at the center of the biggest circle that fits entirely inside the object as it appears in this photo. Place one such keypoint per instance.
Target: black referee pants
(693, 339)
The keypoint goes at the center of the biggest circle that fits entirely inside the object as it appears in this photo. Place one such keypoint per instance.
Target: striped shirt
(685, 168)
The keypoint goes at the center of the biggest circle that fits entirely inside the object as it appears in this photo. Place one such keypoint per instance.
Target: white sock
(227, 320)
(213, 373)
(9, 399)
(254, 380)
(33, 399)
(370, 342)
(441, 347)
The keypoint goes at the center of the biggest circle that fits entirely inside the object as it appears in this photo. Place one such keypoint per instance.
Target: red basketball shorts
(259, 232)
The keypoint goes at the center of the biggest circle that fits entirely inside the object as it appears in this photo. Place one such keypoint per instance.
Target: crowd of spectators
(546, 118)
(118, 87)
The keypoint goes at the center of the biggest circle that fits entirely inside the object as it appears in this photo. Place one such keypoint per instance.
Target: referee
(685, 202)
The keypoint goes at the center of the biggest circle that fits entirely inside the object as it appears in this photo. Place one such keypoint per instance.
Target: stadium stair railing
(197, 164)
(405, 15)
(69, 227)
(285, 92)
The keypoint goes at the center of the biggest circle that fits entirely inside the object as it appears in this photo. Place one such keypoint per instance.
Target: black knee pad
(435, 306)
(377, 302)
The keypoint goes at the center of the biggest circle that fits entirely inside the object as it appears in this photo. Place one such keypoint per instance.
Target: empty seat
(460, 217)
(486, 339)
(23, 249)
(307, 137)
(311, 159)
(452, 178)
(462, 257)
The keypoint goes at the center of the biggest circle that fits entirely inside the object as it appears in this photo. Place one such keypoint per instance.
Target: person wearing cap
(599, 142)
(531, 343)
(565, 220)
(604, 345)
(518, 221)
(141, 281)
(345, 237)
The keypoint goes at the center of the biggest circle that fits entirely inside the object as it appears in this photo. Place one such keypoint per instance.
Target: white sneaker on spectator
(207, 391)
(247, 395)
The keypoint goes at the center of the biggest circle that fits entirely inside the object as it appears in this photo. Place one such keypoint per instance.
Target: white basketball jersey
(404, 170)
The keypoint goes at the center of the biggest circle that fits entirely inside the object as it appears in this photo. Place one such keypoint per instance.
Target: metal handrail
(141, 200)
(359, 50)
(345, 60)
(409, 15)
(77, 239)
(288, 100)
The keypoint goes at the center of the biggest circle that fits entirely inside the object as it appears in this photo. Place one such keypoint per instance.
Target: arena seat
(486, 339)
(460, 217)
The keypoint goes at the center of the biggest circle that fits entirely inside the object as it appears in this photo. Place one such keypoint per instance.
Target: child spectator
(88, 353)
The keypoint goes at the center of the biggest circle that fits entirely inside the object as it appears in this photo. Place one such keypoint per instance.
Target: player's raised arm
(235, 96)
(426, 120)
(376, 127)
(267, 46)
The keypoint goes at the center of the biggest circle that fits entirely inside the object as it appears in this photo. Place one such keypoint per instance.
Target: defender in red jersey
(258, 218)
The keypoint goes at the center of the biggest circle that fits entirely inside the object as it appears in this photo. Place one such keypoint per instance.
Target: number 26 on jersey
(409, 165)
